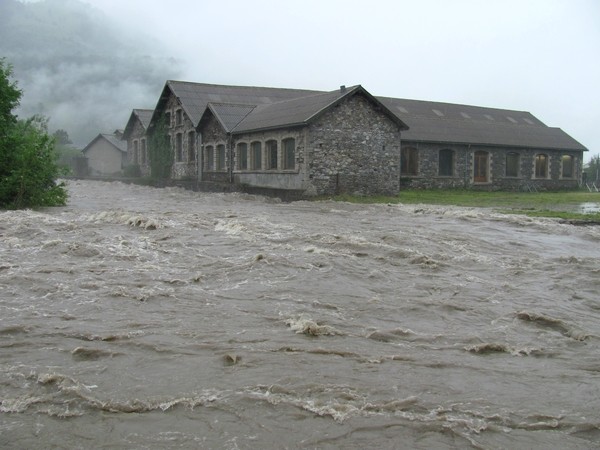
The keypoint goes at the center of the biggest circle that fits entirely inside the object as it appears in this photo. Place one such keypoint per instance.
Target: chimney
(342, 88)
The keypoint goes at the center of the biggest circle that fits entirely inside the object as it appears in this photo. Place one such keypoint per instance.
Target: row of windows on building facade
(254, 156)
(512, 164)
(272, 156)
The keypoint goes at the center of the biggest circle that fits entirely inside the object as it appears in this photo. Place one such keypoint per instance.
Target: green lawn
(564, 205)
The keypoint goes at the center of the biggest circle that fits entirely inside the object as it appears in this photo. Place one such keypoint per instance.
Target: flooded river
(146, 318)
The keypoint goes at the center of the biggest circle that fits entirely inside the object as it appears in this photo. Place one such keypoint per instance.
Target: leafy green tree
(65, 151)
(159, 151)
(62, 137)
(28, 168)
(592, 170)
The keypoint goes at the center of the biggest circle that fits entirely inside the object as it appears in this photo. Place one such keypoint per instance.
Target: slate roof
(195, 97)
(143, 115)
(465, 124)
(246, 108)
(301, 111)
(230, 115)
(112, 139)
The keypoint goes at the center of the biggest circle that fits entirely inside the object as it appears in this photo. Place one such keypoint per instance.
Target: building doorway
(481, 167)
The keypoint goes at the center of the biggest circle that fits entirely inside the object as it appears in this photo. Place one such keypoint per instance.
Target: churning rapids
(162, 318)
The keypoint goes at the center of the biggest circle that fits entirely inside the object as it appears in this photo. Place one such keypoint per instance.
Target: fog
(538, 56)
(79, 67)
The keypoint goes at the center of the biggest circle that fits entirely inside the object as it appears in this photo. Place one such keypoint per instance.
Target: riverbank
(571, 206)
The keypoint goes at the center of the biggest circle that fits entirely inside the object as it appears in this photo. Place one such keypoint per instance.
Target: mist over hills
(78, 68)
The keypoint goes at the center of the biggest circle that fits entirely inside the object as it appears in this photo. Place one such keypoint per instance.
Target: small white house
(106, 154)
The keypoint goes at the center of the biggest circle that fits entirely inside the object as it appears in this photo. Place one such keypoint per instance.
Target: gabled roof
(301, 111)
(465, 124)
(141, 115)
(111, 139)
(426, 121)
(229, 115)
(195, 97)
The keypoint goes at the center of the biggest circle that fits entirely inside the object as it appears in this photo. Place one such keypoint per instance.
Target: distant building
(347, 140)
(135, 136)
(106, 154)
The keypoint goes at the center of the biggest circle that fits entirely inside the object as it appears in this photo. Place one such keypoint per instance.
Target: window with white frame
(271, 150)
(242, 156)
(289, 153)
(409, 162)
(446, 163)
(512, 164)
(567, 166)
(221, 162)
(135, 151)
(179, 147)
(541, 166)
(191, 146)
(209, 154)
(256, 155)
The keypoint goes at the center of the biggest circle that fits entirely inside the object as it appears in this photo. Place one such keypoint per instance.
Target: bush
(28, 160)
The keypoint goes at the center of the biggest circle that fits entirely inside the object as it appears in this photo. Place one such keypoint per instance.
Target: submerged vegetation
(565, 205)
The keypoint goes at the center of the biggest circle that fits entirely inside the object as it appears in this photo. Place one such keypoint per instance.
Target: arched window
(135, 152)
(179, 147)
(143, 154)
(271, 148)
(567, 166)
(512, 164)
(289, 154)
(242, 156)
(256, 155)
(210, 158)
(191, 146)
(221, 163)
(446, 163)
(409, 161)
(541, 166)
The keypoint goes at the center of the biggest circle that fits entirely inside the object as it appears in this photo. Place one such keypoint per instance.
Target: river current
(142, 318)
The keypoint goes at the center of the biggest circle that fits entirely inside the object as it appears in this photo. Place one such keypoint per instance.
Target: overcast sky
(541, 56)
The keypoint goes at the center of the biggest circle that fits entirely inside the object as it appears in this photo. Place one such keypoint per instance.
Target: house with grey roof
(348, 140)
(106, 154)
(451, 145)
(135, 135)
(182, 104)
(324, 143)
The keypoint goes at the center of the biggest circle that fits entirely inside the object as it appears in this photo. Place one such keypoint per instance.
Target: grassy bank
(565, 205)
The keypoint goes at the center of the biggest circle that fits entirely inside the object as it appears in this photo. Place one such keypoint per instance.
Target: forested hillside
(78, 68)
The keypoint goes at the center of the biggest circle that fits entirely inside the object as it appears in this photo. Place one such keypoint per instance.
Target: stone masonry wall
(280, 178)
(463, 177)
(354, 148)
(138, 134)
(213, 134)
(186, 166)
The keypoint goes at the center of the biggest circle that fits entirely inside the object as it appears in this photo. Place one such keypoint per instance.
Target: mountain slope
(78, 68)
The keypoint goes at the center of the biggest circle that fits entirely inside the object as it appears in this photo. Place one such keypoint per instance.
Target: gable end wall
(354, 148)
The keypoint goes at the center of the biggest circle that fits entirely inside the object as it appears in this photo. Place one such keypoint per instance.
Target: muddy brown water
(162, 318)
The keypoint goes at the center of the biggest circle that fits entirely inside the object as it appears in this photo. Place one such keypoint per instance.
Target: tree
(592, 170)
(62, 137)
(28, 168)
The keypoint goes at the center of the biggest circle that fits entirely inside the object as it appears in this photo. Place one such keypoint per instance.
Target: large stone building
(347, 140)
